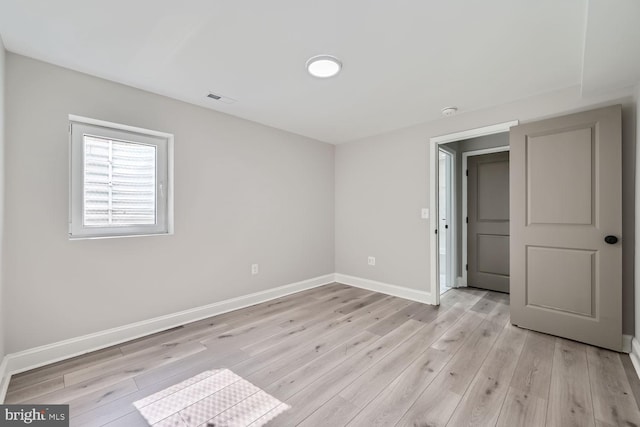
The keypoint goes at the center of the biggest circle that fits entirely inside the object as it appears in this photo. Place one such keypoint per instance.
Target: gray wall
(383, 181)
(2, 143)
(460, 147)
(244, 193)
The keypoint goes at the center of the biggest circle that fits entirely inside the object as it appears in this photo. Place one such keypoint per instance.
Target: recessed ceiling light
(323, 66)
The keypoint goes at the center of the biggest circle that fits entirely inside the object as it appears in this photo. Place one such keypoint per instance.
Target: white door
(566, 224)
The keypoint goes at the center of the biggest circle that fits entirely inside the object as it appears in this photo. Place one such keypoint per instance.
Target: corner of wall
(3, 375)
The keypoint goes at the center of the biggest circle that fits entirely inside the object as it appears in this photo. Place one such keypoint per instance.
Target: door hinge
(467, 220)
(467, 172)
(436, 230)
(466, 267)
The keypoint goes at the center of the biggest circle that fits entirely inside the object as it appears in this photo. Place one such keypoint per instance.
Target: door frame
(465, 212)
(434, 143)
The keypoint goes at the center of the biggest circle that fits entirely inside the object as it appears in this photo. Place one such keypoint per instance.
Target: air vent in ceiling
(221, 98)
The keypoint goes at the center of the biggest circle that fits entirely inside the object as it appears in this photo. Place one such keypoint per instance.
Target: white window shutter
(119, 183)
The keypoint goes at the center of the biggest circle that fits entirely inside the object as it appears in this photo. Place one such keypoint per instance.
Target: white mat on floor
(217, 398)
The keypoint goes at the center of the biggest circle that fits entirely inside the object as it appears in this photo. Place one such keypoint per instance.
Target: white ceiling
(403, 60)
(612, 45)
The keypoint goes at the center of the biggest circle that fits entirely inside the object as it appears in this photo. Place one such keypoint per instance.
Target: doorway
(565, 222)
(448, 232)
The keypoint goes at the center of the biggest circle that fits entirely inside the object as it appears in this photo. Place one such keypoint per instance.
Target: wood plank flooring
(345, 356)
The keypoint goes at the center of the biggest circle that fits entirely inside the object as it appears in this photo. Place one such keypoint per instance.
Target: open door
(566, 223)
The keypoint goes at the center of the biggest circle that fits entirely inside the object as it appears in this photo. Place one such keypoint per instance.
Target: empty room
(340, 213)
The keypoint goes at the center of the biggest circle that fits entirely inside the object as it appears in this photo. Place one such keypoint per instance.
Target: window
(120, 180)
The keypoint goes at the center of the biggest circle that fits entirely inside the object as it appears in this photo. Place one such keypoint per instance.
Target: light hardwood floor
(345, 356)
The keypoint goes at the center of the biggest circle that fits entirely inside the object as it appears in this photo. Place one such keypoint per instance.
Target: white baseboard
(385, 288)
(635, 355)
(33, 358)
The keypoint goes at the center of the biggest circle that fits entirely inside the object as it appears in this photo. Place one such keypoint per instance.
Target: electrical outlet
(254, 269)
(371, 260)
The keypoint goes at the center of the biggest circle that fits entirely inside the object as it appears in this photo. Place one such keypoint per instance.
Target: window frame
(81, 126)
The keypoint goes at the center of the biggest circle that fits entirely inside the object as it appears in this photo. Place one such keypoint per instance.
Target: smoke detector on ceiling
(449, 111)
(220, 98)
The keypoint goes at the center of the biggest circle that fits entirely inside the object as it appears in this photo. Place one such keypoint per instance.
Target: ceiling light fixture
(323, 66)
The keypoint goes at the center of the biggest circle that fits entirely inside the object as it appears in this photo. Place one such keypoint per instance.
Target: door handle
(612, 240)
